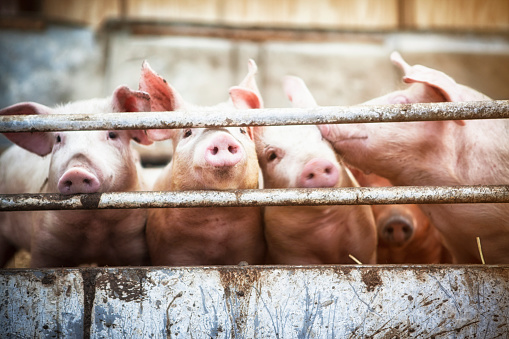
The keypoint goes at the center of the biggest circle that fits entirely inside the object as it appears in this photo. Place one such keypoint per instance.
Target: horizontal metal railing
(263, 197)
(254, 197)
(257, 117)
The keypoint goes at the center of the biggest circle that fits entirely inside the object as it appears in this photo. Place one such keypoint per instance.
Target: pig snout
(223, 151)
(78, 180)
(319, 173)
(396, 230)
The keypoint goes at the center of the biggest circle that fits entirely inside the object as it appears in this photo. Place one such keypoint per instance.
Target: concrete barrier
(347, 301)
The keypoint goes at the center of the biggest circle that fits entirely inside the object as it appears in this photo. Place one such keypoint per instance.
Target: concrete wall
(63, 63)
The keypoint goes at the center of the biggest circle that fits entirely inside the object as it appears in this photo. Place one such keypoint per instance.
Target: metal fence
(259, 117)
(326, 301)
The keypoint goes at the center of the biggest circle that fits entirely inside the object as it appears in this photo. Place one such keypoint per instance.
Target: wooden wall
(358, 15)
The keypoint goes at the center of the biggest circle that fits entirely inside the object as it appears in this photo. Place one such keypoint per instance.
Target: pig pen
(336, 301)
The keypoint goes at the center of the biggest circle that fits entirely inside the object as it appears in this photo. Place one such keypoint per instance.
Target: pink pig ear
(163, 97)
(127, 100)
(40, 143)
(451, 90)
(246, 95)
(298, 93)
(250, 132)
(444, 84)
(244, 98)
(160, 134)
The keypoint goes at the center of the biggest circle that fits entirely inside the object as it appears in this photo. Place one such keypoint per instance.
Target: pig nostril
(311, 176)
(86, 181)
(68, 183)
(328, 170)
(232, 149)
(214, 151)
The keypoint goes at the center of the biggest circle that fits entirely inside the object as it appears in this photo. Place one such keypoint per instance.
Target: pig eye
(271, 156)
(112, 135)
(243, 131)
(59, 139)
(188, 133)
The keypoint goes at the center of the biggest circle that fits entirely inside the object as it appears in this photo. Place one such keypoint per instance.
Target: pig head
(298, 157)
(405, 234)
(469, 152)
(73, 163)
(206, 158)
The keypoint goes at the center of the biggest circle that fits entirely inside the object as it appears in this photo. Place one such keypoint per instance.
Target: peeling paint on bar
(330, 301)
(258, 117)
(266, 197)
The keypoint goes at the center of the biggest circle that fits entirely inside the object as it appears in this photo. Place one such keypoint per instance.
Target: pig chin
(221, 178)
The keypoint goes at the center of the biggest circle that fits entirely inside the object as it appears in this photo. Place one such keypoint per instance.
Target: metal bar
(266, 197)
(257, 117)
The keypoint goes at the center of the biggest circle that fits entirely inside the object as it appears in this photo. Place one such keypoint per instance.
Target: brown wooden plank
(346, 14)
(174, 10)
(90, 12)
(472, 15)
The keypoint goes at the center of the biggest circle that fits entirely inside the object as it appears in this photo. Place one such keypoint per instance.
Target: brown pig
(206, 159)
(405, 234)
(298, 157)
(436, 153)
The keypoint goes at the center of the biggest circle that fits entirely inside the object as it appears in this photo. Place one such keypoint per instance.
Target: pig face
(296, 156)
(207, 158)
(91, 161)
(223, 158)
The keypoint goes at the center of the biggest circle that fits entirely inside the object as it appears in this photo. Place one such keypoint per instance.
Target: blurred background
(57, 51)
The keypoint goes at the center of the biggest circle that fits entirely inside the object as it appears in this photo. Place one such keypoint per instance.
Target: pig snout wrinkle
(319, 173)
(397, 230)
(78, 180)
(223, 151)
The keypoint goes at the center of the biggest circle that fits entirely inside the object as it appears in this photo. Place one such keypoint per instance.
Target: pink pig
(72, 163)
(405, 234)
(206, 159)
(469, 152)
(298, 157)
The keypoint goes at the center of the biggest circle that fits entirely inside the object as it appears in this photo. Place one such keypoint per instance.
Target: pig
(205, 159)
(71, 163)
(405, 234)
(298, 157)
(473, 152)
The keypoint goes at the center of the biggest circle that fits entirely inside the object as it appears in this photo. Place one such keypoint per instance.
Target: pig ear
(39, 143)
(160, 134)
(244, 98)
(250, 132)
(163, 97)
(140, 136)
(444, 84)
(298, 93)
(451, 90)
(257, 131)
(249, 82)
(127, 100)
(246, 95)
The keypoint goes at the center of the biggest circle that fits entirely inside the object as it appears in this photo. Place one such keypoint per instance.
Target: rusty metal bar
(266, 197)
(258, 117)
